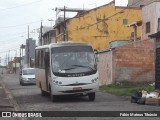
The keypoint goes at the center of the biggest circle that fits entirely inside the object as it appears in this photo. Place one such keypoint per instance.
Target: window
(125, 21)
(148, 27)
(158, 24)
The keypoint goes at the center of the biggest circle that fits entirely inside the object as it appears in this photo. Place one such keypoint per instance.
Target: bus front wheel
(52, 97)
(91, 96)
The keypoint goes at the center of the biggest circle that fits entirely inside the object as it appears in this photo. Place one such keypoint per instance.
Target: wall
(94, 27)
(150, 13)
(105, 67)
(137, 3)
(132, 62)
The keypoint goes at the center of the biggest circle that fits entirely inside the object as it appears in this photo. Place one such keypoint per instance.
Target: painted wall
(150, 13)
(102, 25)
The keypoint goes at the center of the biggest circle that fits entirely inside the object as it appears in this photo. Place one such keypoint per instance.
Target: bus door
(47, 69)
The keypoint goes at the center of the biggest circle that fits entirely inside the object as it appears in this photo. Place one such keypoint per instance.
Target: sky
(16, 15)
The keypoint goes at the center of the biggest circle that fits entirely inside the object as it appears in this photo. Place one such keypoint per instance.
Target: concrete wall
(105, 67)
(132, 62)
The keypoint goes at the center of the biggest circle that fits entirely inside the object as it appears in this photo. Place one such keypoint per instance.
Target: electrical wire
(38, 21)
(20, 5)
(13, 38)
(20, 24)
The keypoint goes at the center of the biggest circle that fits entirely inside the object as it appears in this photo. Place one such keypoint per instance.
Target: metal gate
(157, 69)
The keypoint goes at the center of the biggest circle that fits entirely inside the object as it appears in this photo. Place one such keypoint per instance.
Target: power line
(13, 38)
(10, 50)
(20, 25)
(17, 34)
(20, 5)
(38, 21)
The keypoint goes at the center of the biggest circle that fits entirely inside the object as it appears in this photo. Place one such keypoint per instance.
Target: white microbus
(66, 69)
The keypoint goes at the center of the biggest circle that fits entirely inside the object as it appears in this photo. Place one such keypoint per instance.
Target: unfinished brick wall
(134, 62)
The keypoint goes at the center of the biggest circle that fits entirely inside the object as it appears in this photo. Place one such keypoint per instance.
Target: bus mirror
(96, 54)
(95, 51)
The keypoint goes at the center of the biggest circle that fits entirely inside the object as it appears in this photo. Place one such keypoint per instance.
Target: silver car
(27, 76)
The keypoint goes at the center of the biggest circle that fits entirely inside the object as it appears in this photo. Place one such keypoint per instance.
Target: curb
(12, 100)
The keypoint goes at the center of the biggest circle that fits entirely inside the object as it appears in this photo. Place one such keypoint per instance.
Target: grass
(125, 88)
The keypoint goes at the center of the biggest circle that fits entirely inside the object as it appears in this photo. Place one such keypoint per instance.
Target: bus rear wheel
(91, 96)
(43, 93)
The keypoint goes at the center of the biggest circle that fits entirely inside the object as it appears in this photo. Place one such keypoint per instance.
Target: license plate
(77, 88)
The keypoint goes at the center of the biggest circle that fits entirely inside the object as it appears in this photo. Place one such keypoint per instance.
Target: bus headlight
(57, 82)
(94, 80)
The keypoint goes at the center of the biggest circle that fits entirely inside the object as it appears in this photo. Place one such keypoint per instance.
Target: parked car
(27, 76)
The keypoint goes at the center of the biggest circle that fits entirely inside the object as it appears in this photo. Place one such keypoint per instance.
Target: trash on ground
(143, 97)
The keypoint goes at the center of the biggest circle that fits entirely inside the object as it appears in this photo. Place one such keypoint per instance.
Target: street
(29, 99)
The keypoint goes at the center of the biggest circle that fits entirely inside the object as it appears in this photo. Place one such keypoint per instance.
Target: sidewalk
(5, 104)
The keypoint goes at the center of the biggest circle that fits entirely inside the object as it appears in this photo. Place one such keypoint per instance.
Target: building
(150, 18)
(155, 36)
(49, 37)
(140, 3)
(60, 25)
(30, 51)
(101, 25)
(136, 61)
(46, 35)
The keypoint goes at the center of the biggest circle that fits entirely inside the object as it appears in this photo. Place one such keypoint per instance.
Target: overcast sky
(16, 15)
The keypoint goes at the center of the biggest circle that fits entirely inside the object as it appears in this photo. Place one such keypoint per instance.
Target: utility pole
(41, 34)
(64, 33)
(20, 57)
(8, 56)
(15, 60)
(6, 59)
(28, 49)
(135, 32)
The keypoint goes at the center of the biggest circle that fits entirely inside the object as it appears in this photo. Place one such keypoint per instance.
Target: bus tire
(20, 82)
(43, 93)
(52, 97)
(91, 96)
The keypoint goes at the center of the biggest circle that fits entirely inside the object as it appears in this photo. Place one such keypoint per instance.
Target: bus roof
(63, 44)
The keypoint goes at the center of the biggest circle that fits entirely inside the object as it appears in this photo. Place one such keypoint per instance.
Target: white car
(27, 76)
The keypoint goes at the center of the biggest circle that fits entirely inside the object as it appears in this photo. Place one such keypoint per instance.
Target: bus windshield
(73, 59)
